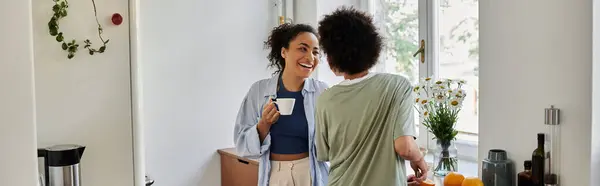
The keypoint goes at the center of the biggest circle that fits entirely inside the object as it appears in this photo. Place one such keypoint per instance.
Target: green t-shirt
(356, 125)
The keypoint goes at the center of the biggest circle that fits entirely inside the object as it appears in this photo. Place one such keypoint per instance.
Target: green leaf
(70, 55)
(105, 42)
(55, 8)
(102, 49)
(72, 49)
(64, 46)
(63, 4)
(59, 37)
(53, 32)
(91, 52)
(52, 23)
(63, 13)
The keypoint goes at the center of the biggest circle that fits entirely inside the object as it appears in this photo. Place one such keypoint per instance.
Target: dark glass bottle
(537, 162)
(524, 178)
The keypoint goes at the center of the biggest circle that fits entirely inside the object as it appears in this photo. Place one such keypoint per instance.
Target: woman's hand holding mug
(269, 114)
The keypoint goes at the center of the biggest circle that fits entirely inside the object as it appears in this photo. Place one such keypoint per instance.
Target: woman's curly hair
(280, 37)
(350, 40)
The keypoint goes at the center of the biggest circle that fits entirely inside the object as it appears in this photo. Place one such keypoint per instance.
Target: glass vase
(445, 160)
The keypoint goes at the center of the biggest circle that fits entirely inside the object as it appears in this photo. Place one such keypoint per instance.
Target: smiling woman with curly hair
(282, 140)
(365, 124)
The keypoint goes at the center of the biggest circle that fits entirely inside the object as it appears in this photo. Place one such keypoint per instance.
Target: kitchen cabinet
(236, 170)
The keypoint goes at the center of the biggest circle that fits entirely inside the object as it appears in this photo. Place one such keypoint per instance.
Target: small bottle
(524, 178)
(538, 161)
(551, 180)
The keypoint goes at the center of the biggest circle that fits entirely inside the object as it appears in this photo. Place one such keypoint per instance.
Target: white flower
(455, 103)
(460, 83)
(440, 98)
(439, 89)
(433, 94)
(425, 114)
(427, 79)
(425, 82)
(424, 101)
(448, 82)
(459, 93)
(422, 91)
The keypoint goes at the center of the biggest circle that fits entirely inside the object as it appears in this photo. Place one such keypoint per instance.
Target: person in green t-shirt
(365, 124)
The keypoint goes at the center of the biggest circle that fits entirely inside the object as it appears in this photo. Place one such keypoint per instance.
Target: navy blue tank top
(289, 135)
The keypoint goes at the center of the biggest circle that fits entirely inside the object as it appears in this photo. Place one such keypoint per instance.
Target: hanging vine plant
(60, 11)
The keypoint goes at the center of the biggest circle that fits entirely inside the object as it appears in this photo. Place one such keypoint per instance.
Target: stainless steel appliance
(61, 164)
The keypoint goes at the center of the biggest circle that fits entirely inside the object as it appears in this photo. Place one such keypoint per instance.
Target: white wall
(595, 158)
(198, 60)
(306, 12)
(534, 54)
(17, 110)
(323, 72)
(86, 100)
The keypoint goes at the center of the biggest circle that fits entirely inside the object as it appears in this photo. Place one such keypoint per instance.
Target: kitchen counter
(245, 170)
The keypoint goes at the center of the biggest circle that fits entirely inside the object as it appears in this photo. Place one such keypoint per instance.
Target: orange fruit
(427, 182)
(472, 181)
(453, 179)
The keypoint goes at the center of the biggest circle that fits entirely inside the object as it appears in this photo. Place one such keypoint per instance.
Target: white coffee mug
(285, 105)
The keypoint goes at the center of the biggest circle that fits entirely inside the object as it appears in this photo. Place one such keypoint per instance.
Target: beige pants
(290, 173)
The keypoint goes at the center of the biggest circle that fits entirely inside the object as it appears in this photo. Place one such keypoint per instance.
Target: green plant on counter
(60, 11)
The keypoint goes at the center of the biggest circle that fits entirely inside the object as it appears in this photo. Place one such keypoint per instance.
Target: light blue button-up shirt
(247, 142)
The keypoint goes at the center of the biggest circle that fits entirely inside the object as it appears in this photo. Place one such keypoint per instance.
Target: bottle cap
(497, 155)
(527, 164)
(540, 136)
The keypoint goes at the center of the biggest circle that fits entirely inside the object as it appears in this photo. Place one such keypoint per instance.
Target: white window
(449, 30)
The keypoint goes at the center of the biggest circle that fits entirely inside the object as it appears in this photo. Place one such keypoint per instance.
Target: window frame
(428, 31)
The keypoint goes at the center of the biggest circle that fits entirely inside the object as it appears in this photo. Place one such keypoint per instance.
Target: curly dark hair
(350, 40)
(280, 37)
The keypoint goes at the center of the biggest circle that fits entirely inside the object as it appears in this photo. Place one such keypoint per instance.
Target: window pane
(459, 54)
(398, 22)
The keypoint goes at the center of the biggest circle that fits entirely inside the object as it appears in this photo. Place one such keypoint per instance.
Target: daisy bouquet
(439, 102)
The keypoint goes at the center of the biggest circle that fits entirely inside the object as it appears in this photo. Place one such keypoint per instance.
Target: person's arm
(404, 123)
(263, 130)
(407, 148)
(248, 142)
(405, 132)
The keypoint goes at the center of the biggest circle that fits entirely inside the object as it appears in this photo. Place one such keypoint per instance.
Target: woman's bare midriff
(288, 157)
